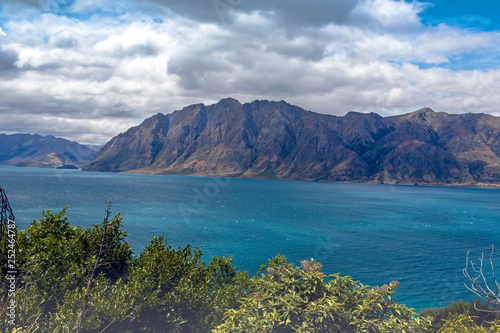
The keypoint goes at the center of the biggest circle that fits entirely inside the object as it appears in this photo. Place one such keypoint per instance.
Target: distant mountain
(94, 147)
(43, 151)
(266, 139)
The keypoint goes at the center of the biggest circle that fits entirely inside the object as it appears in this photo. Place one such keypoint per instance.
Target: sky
(87, 70)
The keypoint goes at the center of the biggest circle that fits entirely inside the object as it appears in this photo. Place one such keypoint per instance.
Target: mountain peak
(422, 115)
(229, 101)
(269, 139)
(425, 110)
(359, 114)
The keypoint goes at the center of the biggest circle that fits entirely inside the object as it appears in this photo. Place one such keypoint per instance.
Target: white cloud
(89, 79)
(396, 16)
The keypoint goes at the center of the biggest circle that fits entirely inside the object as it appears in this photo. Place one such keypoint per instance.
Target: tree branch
(96, 266)
(479, 284)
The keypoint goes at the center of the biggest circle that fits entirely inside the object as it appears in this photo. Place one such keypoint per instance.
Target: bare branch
(105, 328)
(479, 284)
(493, 269)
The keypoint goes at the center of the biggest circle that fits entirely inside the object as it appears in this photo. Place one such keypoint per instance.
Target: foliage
(110, 304)
(297, 299)
(175, 292)
(166, 289)
(55, 258)
(479, 313)
(464, 323)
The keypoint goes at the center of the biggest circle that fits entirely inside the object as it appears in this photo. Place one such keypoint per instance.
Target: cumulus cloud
(393, 16)
(92, 74)
(29, 3)
(291, 13)
(7, 60)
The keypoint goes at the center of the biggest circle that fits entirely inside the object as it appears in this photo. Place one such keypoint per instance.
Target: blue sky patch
(479, 15)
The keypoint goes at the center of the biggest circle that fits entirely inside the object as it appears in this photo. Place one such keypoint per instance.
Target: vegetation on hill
(72, 279)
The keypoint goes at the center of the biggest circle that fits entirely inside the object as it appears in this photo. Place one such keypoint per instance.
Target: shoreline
(235, 175)
(207, 175)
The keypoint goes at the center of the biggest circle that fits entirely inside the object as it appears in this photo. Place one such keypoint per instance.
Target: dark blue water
(374, 233)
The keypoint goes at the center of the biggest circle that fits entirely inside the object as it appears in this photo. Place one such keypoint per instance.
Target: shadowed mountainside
(264, 139)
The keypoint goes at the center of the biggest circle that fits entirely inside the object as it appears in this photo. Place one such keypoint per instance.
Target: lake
(375, 233)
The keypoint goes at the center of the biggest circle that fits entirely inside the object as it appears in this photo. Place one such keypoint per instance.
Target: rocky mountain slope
(43, 151)
(266, 139)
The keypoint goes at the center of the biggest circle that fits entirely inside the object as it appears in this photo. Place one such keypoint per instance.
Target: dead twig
(489, 292)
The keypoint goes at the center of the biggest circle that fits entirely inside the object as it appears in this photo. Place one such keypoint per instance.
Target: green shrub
(479, 313)
(297, 299)
(162, 290)
(465, 323)
(173, 290)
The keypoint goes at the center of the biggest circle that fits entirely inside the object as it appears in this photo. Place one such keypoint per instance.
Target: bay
(375, 233)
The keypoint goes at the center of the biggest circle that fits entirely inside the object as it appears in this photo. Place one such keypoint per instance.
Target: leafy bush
(164, 289)
(464, 323)
(175, 292)
(55, 258)
(479, 313)
(88, 280)
(297, 299)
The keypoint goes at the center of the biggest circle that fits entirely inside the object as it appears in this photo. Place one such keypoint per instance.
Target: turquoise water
(374, 233)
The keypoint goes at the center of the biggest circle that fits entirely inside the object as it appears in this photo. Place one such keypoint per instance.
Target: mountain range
(266, 139)
(33, 150)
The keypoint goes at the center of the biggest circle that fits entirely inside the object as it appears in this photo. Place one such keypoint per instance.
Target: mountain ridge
(267, 139)
(33, 150)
